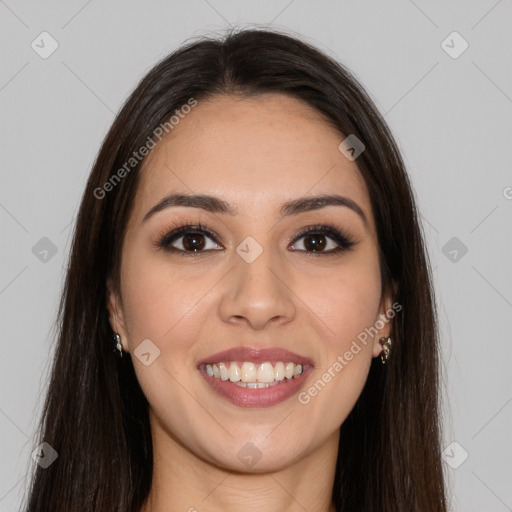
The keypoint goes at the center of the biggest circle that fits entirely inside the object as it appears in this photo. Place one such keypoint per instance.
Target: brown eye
(322, 239)
(189, 240)
(315, 242)
(193, 242)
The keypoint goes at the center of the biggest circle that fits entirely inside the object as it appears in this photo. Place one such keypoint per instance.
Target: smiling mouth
(254, 375)
(279, 381)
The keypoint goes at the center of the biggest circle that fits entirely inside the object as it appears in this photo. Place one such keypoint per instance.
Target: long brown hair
(96, 415)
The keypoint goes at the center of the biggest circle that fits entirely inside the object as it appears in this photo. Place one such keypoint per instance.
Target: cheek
(345, 304)
(160, 301)
(346, 300)
(162, 305)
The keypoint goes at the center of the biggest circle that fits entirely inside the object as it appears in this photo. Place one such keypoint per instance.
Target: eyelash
(166, 237)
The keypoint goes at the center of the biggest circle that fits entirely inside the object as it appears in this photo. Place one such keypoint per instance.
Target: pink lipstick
(252, 377)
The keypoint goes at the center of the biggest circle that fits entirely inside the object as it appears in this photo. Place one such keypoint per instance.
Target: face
(253, 277)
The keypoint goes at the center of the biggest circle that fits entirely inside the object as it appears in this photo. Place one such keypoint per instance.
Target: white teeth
(253, 385)
(254, 375)
(249, 372)
(265, 373)
(289, 370)
(234, 372)
(279, 371)
(223, 371)
(266, 384)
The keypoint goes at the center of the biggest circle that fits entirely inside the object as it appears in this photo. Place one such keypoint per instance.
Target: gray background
(451, 118)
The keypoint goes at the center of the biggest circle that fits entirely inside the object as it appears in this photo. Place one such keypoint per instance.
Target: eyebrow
(219, 206)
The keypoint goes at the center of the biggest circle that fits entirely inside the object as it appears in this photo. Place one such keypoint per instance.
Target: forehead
(255, 153)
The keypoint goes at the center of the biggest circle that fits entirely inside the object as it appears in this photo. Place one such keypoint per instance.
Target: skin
(255, 154)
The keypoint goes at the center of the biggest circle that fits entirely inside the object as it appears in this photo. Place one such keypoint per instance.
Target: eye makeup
(192, 235)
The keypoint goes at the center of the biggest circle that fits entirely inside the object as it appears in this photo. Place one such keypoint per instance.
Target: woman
(248, 319)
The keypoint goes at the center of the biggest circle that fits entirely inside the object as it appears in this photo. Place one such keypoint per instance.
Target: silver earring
(119, 347)
(386, 349)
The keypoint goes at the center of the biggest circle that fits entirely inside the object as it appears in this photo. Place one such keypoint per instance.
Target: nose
(257, 293)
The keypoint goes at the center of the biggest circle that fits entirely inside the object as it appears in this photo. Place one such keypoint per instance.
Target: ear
(115, 314)
(384, 321)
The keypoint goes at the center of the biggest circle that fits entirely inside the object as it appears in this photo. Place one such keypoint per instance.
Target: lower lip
(260, 397)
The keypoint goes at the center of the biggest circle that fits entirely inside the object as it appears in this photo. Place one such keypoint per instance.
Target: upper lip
(256, 355)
